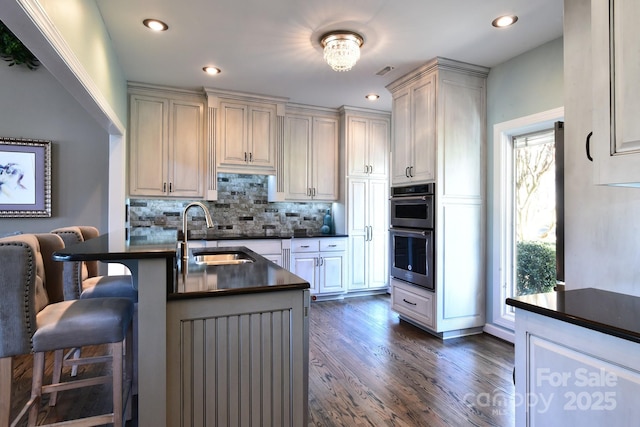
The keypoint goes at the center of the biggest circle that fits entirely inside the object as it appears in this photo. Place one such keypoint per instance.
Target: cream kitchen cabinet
(442, 106)
(367, 142)
(368, 229)
(311, 156)
(615, 142)
(321, 262)
(166, 144)
(247, 137)
(413, 145)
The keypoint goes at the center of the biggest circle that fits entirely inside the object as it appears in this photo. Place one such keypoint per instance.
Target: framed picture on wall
(25, 178)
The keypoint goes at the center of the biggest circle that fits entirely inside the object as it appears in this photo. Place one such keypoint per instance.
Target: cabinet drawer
(413, 302)
(328, 244)
(305, 245)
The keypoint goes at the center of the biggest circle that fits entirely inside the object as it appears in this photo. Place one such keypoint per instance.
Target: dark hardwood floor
(366, 368)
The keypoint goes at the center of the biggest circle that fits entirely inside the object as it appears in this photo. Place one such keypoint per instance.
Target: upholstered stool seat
(109, 287)
(81, 323)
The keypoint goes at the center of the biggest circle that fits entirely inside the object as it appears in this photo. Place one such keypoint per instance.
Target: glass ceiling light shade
(341, 49)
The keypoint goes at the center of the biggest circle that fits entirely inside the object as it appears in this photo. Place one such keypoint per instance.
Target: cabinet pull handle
(332, 246)
(308, 191)
(164, 187)
(314, 191)
(366, 169)
(250, 157)
(321, 261)
(409, 302)
(588, 146)
(171, 187)
(406, 171)
(304, 246)
(370, 169)
(410, 171)
(245, 156)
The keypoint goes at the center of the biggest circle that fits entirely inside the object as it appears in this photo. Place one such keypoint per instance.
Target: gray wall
(34, 105)
(603, 223)
(527, 84)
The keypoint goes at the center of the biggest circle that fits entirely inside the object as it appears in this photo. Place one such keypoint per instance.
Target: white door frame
(501, 244)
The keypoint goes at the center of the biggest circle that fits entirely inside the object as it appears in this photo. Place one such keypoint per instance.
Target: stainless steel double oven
(411, 235)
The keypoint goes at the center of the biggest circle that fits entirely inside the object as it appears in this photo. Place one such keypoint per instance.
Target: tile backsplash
(241, 208)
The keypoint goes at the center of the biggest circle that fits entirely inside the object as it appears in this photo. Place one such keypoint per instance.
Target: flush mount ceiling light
(504, 21)
(341, 49)
(155, 25)
(211, 70)
(372, 97)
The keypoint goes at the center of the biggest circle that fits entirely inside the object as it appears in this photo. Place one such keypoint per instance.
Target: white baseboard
(499, 332)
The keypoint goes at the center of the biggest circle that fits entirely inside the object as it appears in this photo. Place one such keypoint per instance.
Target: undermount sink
(222, 258)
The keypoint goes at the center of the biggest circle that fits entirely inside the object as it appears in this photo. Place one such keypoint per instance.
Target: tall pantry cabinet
(439, 136)
(366, 134)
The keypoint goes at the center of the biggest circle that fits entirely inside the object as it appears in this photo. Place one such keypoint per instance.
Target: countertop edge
(576, 320)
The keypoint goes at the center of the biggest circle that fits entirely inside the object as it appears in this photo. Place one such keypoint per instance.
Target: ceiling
(271, 47)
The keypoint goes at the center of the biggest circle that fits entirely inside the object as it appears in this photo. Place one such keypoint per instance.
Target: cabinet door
(233, 122)
(331, 272)
(423, 105)
(297, 154)
(616, 97)
(305, 266)
(378, 148)
(357, 147)
(324, 167)
(358, 233)
(148, 146)
(262, 136)
(378, 244)
(401, 151)
(186, 166)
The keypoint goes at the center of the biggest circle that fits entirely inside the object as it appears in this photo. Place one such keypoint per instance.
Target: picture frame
(25, 178)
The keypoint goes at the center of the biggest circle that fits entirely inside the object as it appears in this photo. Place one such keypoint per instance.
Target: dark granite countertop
(262, 275)
(195, 281)
(603, 311)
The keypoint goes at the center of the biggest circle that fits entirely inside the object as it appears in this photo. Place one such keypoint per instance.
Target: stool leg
(6, 377)
(36, 387)
(58, 360)
(116, 351)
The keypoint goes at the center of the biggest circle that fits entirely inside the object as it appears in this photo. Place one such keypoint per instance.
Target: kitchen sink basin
(222, 258)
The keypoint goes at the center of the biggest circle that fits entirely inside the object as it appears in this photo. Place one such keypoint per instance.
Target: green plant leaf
(13, 51)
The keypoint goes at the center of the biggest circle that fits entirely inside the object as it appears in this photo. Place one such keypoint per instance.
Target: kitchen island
(577, 358)
(218, 304)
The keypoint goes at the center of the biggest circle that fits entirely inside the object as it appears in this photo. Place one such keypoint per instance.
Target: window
(525, 202)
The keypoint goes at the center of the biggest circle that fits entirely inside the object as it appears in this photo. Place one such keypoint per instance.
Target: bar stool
(35, 320)
(82, 281)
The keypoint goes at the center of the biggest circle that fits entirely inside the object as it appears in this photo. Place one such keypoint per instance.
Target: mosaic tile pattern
(241, 208)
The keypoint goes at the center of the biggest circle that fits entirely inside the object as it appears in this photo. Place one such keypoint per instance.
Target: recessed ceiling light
(372, 97)
(504, 21)
(155, 25)
(211, 70)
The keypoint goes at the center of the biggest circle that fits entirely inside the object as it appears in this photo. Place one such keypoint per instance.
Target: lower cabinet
(321, 262)
(413, 302)
(271, 249)
(570, 375)
(212, 380)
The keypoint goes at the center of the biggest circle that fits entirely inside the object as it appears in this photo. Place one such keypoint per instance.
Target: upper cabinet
(615, 142)
(311, 155)
(246, 130)
(367, 143)
(166, 144)
(413, 149)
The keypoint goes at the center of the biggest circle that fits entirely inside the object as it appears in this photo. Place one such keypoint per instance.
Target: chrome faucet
(207, 217)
